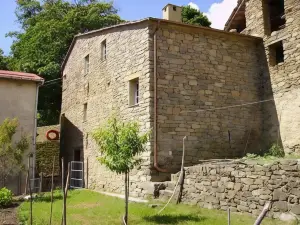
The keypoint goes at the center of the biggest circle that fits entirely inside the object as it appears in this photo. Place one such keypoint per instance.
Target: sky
(218, 11)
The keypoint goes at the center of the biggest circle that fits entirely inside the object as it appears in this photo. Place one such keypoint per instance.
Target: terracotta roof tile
(20, 76)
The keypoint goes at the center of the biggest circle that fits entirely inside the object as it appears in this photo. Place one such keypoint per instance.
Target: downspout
(35, 127)
(156, 166)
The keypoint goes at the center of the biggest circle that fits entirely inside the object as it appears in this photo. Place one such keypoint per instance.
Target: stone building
(278, 24)
(18, 99)
(177, 80)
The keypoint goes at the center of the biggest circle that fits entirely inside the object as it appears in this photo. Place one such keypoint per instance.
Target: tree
(120, 144)
(11, 153)
(48, 28)
(3, 61)
(194, 16)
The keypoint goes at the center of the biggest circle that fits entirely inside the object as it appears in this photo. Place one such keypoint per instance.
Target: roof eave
(20, 78)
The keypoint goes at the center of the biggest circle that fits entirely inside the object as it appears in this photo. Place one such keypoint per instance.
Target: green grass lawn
(90, 208)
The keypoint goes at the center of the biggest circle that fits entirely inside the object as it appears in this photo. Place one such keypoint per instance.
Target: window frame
(104, 50)
(85, 105)
(87, 64)
(134, 92)
(274, 59)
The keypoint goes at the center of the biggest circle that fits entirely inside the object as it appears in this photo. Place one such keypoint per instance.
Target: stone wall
(284, 77)
(244, 187)
(199, 70)
(105, 91)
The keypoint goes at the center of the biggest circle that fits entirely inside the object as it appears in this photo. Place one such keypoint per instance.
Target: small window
(134, 92)
(274, 15)
(174, 8)
(103, 50)
(276, 53)
(87, 64)
(84, 112)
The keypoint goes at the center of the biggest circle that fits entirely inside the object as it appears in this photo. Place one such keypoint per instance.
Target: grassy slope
(91, 208)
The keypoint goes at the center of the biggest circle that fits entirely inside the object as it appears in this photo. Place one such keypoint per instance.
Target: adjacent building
(277, 23)
(18, 99)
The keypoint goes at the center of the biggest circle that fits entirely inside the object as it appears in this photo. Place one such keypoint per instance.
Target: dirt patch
(8, 216)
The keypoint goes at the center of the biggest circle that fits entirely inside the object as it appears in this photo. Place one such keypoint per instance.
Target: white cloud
(194, 5)
(218, 13)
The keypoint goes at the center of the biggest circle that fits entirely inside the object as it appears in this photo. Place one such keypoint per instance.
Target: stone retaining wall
(244, 187)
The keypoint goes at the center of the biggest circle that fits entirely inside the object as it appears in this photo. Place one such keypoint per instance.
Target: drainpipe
(155, 103)
(35, 127)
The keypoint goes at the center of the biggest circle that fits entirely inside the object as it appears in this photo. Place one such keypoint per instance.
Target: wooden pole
(67, 181)
(63, 189)
(41, 182)
(182, 174)
(27, 176)
(229, 216)
(87, 172)
(30, 193)
(51, 207)
(64, 219)
(262, 214)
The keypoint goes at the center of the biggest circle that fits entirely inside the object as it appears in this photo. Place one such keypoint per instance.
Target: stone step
(164, 195)
(170, 185)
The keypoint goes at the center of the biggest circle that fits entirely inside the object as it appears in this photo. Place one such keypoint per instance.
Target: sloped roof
(20, 76)
(237, 16)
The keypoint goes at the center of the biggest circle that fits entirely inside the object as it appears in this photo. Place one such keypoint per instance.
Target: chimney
(172, 12)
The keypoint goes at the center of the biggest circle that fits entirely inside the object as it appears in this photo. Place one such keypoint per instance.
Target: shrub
(5, 197)
(276, 151)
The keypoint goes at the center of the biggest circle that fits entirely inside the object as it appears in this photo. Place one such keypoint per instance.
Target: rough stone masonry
(197, 68)
(244, 186)
(280, 81)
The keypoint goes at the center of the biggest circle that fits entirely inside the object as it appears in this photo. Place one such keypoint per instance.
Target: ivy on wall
(45, 151)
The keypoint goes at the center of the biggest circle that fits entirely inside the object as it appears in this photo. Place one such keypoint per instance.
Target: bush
(276, 151)
(5, 197)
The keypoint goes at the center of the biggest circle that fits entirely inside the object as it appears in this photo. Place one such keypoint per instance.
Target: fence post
(228, 215)
(87, 172)
(41, 182)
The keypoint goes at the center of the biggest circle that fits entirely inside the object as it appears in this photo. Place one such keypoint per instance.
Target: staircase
(162, 191)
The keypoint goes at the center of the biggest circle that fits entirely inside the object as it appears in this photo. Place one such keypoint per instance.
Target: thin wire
(49, 81)
(227, 107)
(57, 82)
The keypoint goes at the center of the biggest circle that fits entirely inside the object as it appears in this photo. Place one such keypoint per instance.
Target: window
(174, 8)
(84, 112)
(87, 64)
(274, 15)
(276, 53)
(134, 92)
(103, 50)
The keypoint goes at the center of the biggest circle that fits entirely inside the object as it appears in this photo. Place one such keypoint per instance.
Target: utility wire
(56, 82)
(49, 81)
(227, 107)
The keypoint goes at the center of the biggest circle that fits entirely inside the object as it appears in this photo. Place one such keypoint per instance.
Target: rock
(287, 217)
(247, 181)
(281, 205)
(296, 209)
(278, 194)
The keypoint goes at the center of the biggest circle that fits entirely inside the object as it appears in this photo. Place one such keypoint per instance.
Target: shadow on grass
(173, 219)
